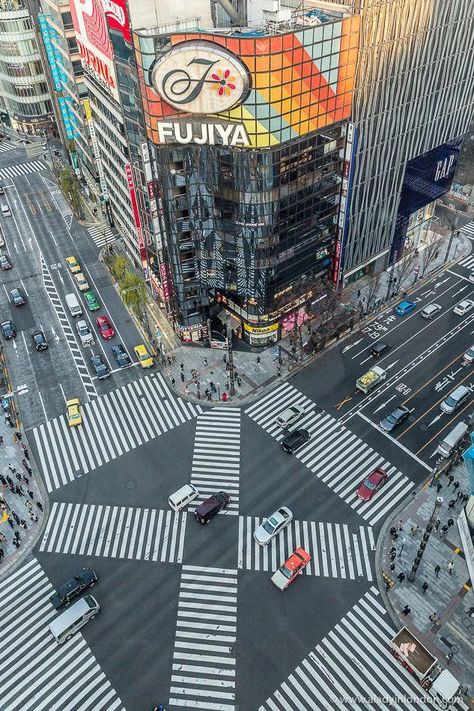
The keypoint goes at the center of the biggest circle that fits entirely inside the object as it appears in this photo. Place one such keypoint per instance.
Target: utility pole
(230, 356)
(425, 539)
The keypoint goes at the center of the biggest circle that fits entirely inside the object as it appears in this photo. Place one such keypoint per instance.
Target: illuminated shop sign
(211, 134)
(200, 78)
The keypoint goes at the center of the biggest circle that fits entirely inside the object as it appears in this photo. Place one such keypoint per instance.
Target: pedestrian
(450, 522)
(186, 390)
(3, 480)
(239, 381)
(18, 476)
(258, 360)
(181, 365)
(437, 524)
(437, 569)
(19, 490)
(2, 538)
(400, 525)
(460, 496)
(209, 396)
(401, 577)
(424, 587)
(456, 485)
(26, 480)
(433, 617)
(173, 381)
(205, 362)
(23, 524)
(17, 436)
(406, 610)
(224, 357)
(10, 523)
(39, 505)
(25, 452)
(449, 657)
(17, 535)
(444, 529)
(450, 479)
(29, 505)
(1, 439)
(450, 567)
(393, 531)
(451, 504)
(11, 468)
(16, 543)
(169, 360)
(2, 553)
(30, 494)
(181, 375)
(439, 486)
(16, 517)
(414, 529)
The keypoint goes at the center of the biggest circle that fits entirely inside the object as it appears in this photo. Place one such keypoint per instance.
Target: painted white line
(42, 405)
(405, 449)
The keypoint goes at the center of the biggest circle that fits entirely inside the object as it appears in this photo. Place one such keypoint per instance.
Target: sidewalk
(449, 595)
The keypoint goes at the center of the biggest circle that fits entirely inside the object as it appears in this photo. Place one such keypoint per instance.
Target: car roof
(406, 302)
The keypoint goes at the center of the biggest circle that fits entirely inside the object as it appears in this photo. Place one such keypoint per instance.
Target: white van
(183, 497)
(75, 617)
(75, 309)
(6, 212)
(455, 399)
(452, 439)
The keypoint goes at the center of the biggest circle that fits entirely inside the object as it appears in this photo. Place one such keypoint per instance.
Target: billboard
(255, 91)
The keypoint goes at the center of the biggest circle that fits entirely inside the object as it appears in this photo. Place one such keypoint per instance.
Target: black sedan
(101, 368)
(394, 418)
(8, 330)
(67, 592)
(121, 356)
(39, 340)
(17, 297)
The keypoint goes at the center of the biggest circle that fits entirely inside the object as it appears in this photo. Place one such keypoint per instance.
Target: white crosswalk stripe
(468, 229)
(467, 262)
(115, 532)
(37, 673)
(7, 146)
(102, 234)
(112, 426)
(334, 454)
(337, 551)
(216, 458)
(353, 668)
(203, 675)
(14, 171)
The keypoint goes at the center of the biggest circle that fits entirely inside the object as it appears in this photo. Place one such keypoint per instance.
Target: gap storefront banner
(246, 91)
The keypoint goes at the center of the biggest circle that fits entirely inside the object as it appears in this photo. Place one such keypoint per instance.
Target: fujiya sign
(200, 78)
(221, 134)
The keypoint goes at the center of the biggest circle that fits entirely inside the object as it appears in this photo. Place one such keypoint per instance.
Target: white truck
(371, 379)
(441, 685)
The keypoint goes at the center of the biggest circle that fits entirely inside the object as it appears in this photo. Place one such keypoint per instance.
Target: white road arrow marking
(387, 367)
(459, 291)
(60, 277)
(55, 335)
(347, 348)
(384, 403)
(438, 417)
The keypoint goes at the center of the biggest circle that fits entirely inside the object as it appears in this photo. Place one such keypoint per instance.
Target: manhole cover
(411, 418)
(322, 498)
(131, 484)
(423, 428)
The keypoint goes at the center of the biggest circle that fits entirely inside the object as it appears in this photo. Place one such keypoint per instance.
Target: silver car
(289, 416)
(272, 526)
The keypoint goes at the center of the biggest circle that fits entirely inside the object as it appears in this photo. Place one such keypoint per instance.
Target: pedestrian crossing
(337, 551)
(113, 424)
(102, 235)
(334, 454)
(115, 532)
(468, 262)
(468, 229)
(203, 670)
(353, 668)
(36, 672)
(8, 146)
(216, 457)
(14, 171)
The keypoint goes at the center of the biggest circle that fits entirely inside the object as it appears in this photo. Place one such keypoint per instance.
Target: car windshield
(270, 525)
(286, 571)
(369, 484)
(450, 401)
(144, 356)
(471, 352)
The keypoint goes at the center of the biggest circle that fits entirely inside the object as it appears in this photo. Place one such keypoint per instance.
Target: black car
(379, 349)
(67, 592)
(39, 340)
(211, 506)
(2, 190)
(101, 368)
(8, 330)
(17, 297)
(395, 418)
(121, 355)
(295, 440)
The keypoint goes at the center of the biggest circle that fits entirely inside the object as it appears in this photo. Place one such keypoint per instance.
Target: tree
(133, 292)
(373, 290)
(404, 269)
(71, 190)
(119, 267)
(430, 252)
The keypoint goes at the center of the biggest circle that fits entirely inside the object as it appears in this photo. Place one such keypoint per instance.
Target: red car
(291, 568)
(372, 484)
(105, 327)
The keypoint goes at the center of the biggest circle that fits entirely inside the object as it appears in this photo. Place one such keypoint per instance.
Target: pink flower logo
(223, 82)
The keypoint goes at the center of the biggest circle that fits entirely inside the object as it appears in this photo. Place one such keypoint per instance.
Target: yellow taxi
(73, 412)
(73, 264)
(144, 358)
(81, 281)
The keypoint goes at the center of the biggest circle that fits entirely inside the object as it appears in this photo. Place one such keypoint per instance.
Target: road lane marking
(405, 449)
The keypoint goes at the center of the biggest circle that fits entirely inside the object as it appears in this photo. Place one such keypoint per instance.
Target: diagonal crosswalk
(14, 171)
(113, 425)
(115, 532)
(336, 550)
(102, 235)
(36, 672)
(334, 454)
(203, 671)
(353, 668)
(216, 458)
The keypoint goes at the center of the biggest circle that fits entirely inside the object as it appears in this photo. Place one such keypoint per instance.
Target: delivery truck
(371, 379)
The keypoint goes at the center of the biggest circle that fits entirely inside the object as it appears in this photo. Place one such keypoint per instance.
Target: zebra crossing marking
(336, 550)
(468, 229)
(333, 453)
(37, 673)
(15, 171)
(7, 146)
(216, 456)
(102, 235)
(115, 532)
(203, 668)
(111, 427)
(467, 262)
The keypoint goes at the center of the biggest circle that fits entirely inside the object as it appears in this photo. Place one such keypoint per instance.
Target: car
(6, 212)
(373, 483)
(81, 281)
(471, 276)
(121, 356)
(405, 307)
(84, 333)
(211, 507)
(16, 297)
(289, 416)
(92, 302)
(430, 310)
(100, 366)
(5, 263)
(8, 330)
(2, 190)
(463, 307)
(39, 340)
(2, 239)
(379, 349)
(295, 440)
(73, 412)
(105, 327)
(273, 525)
(291, 568)
(144, 358)
(468, 356)
(394, 418)
(86, 578)
(73, 264)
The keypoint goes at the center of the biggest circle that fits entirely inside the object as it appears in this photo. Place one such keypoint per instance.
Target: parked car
(73, 412)
(273, 525)
(394, 418)
(8, 330)
(100, 366)
(86, 578)
(405, 307)
(84, 333)
(289, 416)
(291, 568)
(92, 302)
(211, 507)
(373, 483)
(17, 297)
(105, 327)
(295, 440)
(73, 264)
(39, 340)
(81, 281)
(5, 263)
(121, 356)
(463, 307)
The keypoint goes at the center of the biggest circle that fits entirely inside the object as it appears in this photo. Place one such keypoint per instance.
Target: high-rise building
(25, 101)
